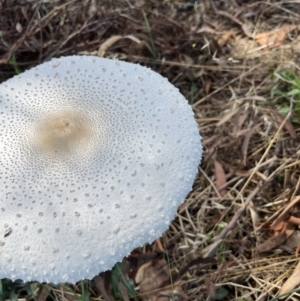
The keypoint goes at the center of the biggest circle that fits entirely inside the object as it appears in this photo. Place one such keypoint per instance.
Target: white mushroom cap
(95, 157)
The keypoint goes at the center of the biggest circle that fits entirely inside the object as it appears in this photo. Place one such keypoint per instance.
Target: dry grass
(208, 50)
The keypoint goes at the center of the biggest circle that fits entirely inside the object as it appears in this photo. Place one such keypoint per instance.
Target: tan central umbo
(63, 133)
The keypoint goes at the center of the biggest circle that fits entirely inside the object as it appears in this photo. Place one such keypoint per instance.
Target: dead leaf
(207, 85)
(271, 243)
(124, 291)
(227, 116)
(274, 38)
(247, 29)
(293, 241)
(287, 124)
(44, 293)
(220, 178)
(253, 214)
(292, 281)
(278, 227)
(238, 122)
(217, 140)
(283, 214)
(19, 27)
(196, 261)
(246, 141)
(102, 284)
(152, 277)
(294, 220)
(137, 259)
(154, 281)
(208, 29)
(159, 245)
(112, 40)
(222, 41)
(276, 240)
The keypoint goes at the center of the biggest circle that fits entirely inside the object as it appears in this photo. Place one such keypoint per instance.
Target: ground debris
(222, 56)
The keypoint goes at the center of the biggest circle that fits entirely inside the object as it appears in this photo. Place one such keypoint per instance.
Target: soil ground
(237, 63)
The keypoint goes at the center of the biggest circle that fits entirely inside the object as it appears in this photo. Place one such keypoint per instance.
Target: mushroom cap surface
(95, 157)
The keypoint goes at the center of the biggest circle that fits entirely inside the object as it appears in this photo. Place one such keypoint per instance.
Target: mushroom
(95, 157)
